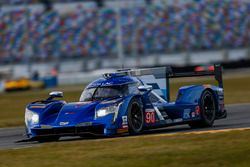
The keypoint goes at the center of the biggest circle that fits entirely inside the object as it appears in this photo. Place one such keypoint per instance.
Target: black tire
(208, 111)
(48, 139)
(135, 117)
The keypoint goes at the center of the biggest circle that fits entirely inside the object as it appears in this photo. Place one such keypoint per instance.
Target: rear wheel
(135, 117)
(208, 110)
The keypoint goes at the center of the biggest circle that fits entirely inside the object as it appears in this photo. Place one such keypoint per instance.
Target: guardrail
(72, 71)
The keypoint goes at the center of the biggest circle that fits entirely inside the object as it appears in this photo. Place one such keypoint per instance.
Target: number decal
(150, 116)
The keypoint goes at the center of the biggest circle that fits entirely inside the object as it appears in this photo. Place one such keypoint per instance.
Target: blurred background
(46, 43)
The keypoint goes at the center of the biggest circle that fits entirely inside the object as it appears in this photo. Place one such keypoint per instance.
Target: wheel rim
(136, 116)
(208, 107)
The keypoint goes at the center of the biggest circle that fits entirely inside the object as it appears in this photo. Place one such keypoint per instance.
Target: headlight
(108, 110)
(31, 117)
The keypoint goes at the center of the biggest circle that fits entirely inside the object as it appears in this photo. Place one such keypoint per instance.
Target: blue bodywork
(56, 117)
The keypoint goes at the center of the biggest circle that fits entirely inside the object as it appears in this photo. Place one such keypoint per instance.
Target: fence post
(225, 55)
(2, 86)
(188, 57)
(248, 53)
(85, 64)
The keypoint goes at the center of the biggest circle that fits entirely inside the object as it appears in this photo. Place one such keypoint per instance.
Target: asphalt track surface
(238, 117)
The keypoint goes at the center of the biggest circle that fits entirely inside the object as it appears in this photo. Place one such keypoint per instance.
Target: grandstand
(83, 30)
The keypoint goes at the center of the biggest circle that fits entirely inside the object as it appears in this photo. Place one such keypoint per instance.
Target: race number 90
(150, 117)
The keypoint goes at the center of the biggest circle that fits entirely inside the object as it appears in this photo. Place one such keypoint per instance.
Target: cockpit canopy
(110, 88)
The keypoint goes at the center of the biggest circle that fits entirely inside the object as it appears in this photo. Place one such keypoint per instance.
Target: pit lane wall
(2, 86)
(180, 59)
(84, 70)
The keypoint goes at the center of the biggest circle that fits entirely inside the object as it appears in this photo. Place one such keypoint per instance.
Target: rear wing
(159, 77)
(217, 73)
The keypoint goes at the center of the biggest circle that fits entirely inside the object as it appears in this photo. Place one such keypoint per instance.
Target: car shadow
(165, 130)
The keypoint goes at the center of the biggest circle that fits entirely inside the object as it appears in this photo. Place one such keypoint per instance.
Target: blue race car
(127, 101)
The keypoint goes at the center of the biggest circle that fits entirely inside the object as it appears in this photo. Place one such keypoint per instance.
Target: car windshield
(105, 92)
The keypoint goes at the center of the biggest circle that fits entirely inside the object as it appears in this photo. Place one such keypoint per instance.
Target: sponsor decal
(63, 123)
(108, 83)
(222, 107)
(197, 110)
(186, 113)
(221, 98)
(85, 124)
(124, 126)
(177, 120)
(220, 91)
(193, 114)
(150, 116)
(38, 106)
(207, 86)
(164, 114)
(124, 122)
(122, 130)
(46, 127)
(169, 121)
(79, 104)
(69, 113)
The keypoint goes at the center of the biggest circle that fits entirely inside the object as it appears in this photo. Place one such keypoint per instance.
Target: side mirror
(145, 88)
(55, 94)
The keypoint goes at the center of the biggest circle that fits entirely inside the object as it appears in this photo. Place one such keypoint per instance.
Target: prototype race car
(127, 101)
(17, 84)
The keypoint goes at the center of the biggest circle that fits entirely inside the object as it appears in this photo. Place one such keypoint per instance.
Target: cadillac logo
(63, 123)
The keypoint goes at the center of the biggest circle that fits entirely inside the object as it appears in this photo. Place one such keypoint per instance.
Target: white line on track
(203, 132)
(22, 147)
(237, 104)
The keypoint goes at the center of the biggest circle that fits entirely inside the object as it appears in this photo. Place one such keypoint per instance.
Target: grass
(208, 150)
(13, 104)
(185, 150)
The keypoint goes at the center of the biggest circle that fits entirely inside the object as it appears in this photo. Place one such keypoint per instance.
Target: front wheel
(135, 117)
(208, 110)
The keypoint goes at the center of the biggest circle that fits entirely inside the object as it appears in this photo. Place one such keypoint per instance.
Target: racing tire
(208, 111)
(48, 139)
(135, 117)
